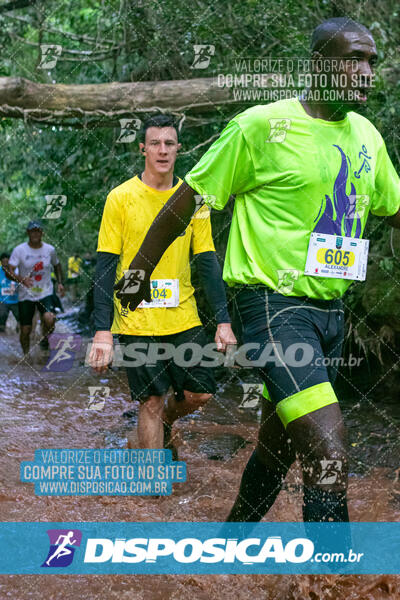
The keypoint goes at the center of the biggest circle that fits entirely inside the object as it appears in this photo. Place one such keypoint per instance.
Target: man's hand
(101, 353)
(27, 282)
(61, 290)
(132, 288)
(224, 337)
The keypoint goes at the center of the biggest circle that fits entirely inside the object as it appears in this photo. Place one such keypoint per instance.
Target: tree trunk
(23, 98)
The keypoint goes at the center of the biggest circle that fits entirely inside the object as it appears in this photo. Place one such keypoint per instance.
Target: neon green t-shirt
(292, 175)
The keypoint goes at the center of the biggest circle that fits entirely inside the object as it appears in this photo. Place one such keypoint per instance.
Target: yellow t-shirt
(129, 211)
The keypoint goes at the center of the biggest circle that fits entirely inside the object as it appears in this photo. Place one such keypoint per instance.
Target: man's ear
(178, 147)
(142, 148)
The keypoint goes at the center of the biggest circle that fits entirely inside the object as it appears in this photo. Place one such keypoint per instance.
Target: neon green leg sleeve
(266, 394)
(304, 402)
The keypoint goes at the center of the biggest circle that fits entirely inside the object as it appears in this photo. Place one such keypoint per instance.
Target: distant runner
(35, 261)
(170, 319)
(8, 294)
(305, 173)
(74, 275)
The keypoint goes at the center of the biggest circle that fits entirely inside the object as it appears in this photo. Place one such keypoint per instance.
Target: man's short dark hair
(326, 32)
(4, 255)
(159, 121)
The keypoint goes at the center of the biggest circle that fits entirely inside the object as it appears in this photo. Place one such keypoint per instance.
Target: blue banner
(200, 548)
(102, 472)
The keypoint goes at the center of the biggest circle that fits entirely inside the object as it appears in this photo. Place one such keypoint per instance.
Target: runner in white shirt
(35, 261)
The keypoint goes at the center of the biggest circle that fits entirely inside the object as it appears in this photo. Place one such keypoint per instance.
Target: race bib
(9, 291)
(164, 293)
(337, 256)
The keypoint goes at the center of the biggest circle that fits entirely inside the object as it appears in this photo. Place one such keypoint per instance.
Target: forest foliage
(148, 40)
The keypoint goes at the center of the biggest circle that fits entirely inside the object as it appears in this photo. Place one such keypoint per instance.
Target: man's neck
(158, 181)
(35, 245)
(325, 111)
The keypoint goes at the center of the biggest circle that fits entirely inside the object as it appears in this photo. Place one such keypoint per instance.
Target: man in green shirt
(305, 173)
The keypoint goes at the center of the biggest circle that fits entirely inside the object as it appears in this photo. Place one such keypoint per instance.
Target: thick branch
(22, 98)
(104, 102)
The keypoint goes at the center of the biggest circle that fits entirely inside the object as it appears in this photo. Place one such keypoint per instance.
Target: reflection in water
(49, 410)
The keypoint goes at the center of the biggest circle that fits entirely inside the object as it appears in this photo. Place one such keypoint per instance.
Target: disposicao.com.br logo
(190, 550)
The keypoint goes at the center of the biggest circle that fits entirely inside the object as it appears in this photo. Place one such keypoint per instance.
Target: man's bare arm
(59, 277)
(170, 222)
(10, 273)
(394, 221)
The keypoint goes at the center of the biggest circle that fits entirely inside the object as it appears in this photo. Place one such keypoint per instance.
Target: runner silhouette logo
(63, 348)
(330, 471)
(278, 130)
(132, 281)
(50, 53)
(252, 393)
(63, 543)
(128, 130)
(98, 395)
(202, 55)
(54, 206)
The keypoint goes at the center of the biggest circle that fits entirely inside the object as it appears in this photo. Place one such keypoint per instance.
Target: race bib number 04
(337, 256)
(164, 293)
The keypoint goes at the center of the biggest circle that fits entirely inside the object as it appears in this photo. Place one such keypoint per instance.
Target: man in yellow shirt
(169, 324)
(74, 275)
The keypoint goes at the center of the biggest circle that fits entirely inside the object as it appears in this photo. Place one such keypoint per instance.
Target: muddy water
(42, 410)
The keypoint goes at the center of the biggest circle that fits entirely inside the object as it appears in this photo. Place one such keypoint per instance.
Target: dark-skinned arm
(170, 222)
(394, 220)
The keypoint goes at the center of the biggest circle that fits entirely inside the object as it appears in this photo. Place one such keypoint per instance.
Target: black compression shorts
(27, 308)
(155, 379)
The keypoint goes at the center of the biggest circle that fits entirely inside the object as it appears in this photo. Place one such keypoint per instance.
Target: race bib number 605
(337, 256)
